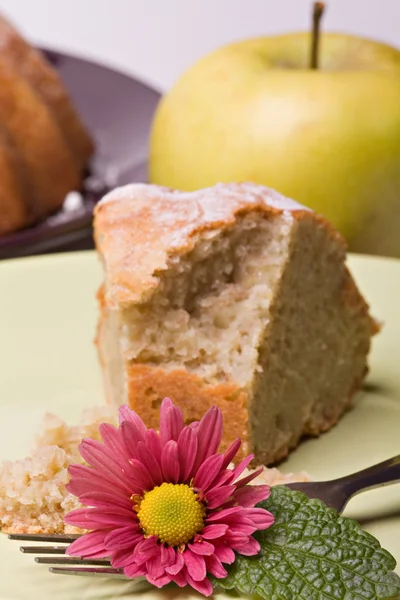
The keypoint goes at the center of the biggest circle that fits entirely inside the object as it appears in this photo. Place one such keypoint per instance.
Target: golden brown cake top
(138, 227)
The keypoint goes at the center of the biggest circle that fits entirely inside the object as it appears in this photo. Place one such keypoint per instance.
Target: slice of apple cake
(233, 295)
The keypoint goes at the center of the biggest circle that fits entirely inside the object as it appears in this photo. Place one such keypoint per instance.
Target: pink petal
(203, 587)
(214, 566)
(122, 558)
(187, 450)
(203, 548)
(99, 554)
(209, 434)
(234, 539)
(80, 486)
(224, 553)
(171, 421)
(221, 515)
(238, 470)
(179, 579)
(88, 544)
(208, 472)
(153, 444)
(126, 415)
(147, 550)
(111, 509)
(245, 480)
(195, 564)
(177, 566)
(219, 495)
(250, 495)
(123, 538)
(224, 478)
(133, 570)
(110, 518)
(170, 462)
(167, 555)
(239, 531)
(159, 581)
(81, 517)
(231, 452)
(155, 569)
(106, 463)
(102, 458)
(131, 436)
(112, 438)
(239, 520)
(142, 477)
(85, 479)
(261, 518)
(252, 547)
(211, 532)
(150, 463)
(103, 499)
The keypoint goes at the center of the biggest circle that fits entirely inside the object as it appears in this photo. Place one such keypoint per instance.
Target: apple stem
(318, 11)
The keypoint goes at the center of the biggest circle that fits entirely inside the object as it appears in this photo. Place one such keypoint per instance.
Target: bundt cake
(15, 210)
(232, 295)
(44, 146)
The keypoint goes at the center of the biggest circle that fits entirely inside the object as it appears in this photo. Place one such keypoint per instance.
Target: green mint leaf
(312, 553)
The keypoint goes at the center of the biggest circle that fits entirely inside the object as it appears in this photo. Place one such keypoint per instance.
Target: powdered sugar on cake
(208, 197)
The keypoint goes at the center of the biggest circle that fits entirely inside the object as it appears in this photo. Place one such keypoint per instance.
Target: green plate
(48, 363)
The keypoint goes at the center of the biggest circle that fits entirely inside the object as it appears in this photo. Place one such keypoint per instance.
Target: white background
(157, 39)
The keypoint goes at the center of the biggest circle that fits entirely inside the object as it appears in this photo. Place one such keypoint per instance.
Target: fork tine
(87, 567)
(43, 549)
(72, 560)
(114, 573)
(35, 537)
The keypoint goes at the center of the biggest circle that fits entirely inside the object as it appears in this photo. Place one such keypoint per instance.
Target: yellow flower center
(172, 512)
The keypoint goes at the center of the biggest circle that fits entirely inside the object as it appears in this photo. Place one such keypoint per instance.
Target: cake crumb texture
(33, 497)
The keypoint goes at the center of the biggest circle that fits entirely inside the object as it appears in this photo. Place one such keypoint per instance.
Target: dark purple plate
(118, 111)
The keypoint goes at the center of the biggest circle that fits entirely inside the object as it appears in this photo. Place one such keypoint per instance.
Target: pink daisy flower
(166, 505)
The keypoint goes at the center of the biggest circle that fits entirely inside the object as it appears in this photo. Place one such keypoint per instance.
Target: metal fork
(335, 494)
(100, 567)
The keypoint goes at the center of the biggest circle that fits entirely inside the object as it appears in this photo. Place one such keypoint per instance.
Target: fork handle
(384, 473)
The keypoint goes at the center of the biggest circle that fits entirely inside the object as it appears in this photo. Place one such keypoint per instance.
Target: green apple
(330, 138)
